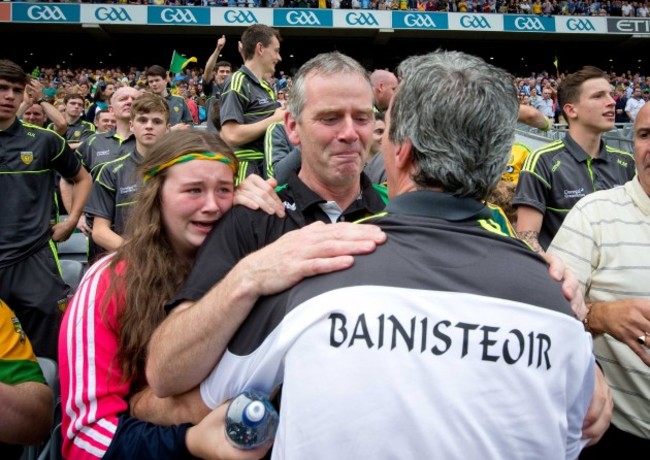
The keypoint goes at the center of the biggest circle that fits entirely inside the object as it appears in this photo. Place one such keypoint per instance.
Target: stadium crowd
(617, 8)
(96, 86)
(211, 269)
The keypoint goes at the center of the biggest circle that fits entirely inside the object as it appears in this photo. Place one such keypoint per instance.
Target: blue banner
(426, 21)
(178, 16)
(302, 18)
(44, 12)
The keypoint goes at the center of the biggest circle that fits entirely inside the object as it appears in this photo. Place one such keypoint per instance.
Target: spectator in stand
(191, 104)
(545, 103)
(537, 7)
(557, 175)
(621, 102)
(104, 121)
(103, 95)
(78, 128)
(616, 8)
(609, 257)
(113, 192)
(29, 274)
(627, 10)
(36, 110)
(634, 104)
(180, 116)
(594, 8)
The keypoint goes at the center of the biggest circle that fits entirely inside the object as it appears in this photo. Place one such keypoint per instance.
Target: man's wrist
(592, 320)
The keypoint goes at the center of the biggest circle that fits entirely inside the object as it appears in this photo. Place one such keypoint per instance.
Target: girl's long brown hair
(153, 272)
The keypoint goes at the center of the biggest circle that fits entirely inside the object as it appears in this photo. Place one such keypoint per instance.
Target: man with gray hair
(372, 356)
(330, 116)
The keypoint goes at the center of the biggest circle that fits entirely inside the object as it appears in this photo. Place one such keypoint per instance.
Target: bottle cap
(254, 412)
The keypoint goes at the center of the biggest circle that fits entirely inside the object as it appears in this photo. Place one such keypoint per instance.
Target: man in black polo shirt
(78, 128)
(101, 148)
(179, 113)
(249, 104)
(214, 80)
(331, 118)
(30, 279)
(556, 176)
(117, 183)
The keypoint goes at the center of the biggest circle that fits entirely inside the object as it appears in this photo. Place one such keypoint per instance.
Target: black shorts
(36, 292)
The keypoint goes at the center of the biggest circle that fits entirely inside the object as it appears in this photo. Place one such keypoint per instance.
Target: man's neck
(5, 124)
(344, 195)
(255, 69)
(143, 150)
(70, 120)
(122, 129)
(164, 93)
(587, 139)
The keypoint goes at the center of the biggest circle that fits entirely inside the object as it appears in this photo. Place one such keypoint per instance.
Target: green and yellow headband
(189, 157)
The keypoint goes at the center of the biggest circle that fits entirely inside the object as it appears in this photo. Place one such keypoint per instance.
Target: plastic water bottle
(251, 420)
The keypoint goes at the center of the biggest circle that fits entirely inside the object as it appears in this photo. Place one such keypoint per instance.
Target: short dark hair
(570, 89)
(222, 64)
(12, 72)
(156, 71)
(70, 96)
(257, 33)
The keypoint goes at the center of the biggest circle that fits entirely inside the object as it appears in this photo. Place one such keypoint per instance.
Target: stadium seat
(52, 450)
(72, 271)
(75, 248)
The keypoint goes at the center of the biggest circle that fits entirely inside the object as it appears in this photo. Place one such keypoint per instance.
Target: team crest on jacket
(77, 134)
(176, 109)
(27, 157)
(18, 329)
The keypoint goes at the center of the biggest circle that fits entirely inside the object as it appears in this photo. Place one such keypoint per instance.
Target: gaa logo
(302, 18)
(416, 20)
(45, 13)
(529, 24)
(240, 17)
(581, 25)
(474, 22)
(178, 16)
(112, 14)
(361, 19)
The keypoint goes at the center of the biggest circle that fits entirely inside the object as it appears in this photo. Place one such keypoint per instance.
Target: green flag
(36, 72)
(179, 62)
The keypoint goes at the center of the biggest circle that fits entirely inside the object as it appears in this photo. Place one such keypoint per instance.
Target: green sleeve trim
(13, 372)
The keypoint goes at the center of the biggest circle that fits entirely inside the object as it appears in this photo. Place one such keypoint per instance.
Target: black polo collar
(438, 205)
(578, 152)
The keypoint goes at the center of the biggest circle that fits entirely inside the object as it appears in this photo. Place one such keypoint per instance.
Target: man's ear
(291, 126)
(570, 111)
(403, 156)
